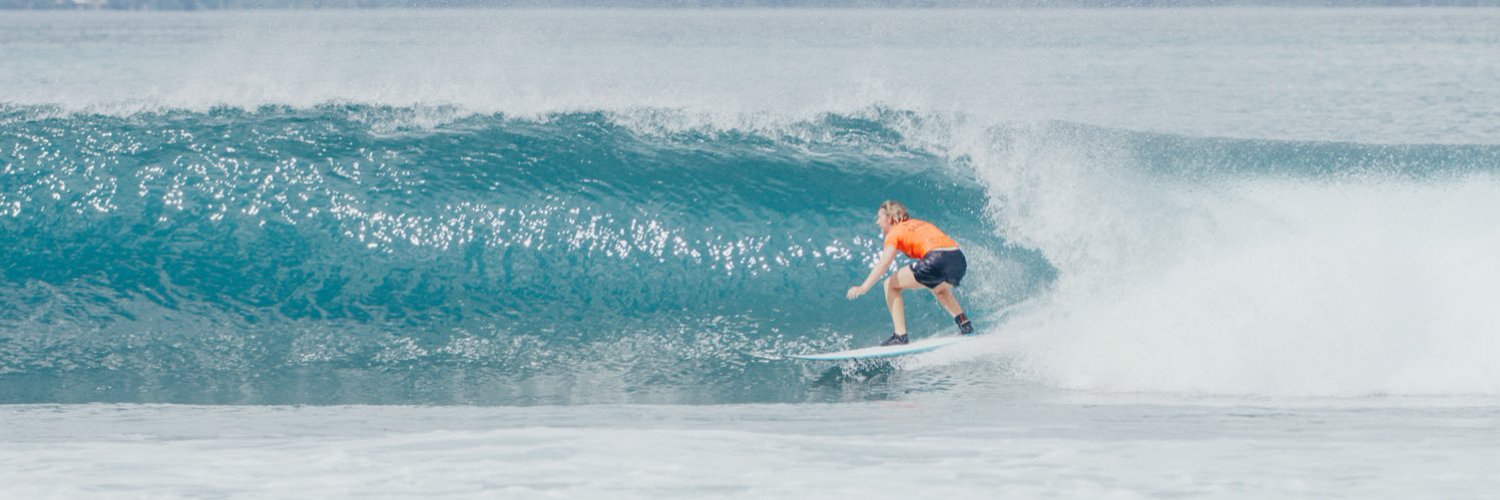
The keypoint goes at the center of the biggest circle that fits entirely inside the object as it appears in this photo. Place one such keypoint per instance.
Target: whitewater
(1214, 252)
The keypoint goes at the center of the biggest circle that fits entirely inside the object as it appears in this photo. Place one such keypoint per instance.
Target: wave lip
(1299, 73)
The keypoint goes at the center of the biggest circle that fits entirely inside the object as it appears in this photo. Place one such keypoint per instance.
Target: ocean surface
(1214, 252)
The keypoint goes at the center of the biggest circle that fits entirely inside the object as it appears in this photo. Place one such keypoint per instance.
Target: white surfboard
(923, 345)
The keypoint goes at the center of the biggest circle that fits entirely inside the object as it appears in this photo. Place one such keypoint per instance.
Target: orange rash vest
(917, 237)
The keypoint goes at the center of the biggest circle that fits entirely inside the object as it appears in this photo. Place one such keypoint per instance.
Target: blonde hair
(895, 210)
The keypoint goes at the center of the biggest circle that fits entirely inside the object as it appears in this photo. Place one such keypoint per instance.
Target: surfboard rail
(920, 346)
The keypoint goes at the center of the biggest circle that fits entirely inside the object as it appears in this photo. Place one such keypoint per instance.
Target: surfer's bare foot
(896, 339)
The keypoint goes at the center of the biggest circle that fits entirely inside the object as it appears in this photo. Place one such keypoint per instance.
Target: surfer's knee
(893, 284)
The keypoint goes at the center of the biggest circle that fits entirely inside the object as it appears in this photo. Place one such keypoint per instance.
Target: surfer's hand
(855, 292)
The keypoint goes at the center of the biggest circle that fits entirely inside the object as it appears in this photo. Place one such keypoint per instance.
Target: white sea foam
(1256, 285)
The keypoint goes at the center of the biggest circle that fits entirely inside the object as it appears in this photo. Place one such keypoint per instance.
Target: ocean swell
(350, 253)
(251, 256)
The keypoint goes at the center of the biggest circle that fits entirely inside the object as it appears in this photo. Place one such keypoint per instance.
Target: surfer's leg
(899, 281)
(946, 297)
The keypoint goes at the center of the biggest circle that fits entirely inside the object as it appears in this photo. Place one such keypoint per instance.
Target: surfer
(940, 266)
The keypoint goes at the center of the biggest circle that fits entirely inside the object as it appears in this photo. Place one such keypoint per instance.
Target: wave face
(331, 255)
(341, 254)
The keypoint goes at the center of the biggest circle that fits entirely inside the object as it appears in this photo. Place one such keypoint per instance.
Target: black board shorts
(940, 266)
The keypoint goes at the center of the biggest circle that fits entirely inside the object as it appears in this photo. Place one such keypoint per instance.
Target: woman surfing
(940, 266)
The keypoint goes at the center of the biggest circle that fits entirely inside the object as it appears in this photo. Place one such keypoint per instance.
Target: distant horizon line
(196, 5)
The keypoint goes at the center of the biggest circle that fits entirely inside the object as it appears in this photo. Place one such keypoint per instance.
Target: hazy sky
(235, 4)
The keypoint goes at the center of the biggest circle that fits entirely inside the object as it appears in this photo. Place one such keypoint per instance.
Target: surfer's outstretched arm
(876, 273)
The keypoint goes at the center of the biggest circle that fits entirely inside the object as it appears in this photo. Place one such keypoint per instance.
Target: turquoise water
(1246, 248)
(253, 257)
(296, 256)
